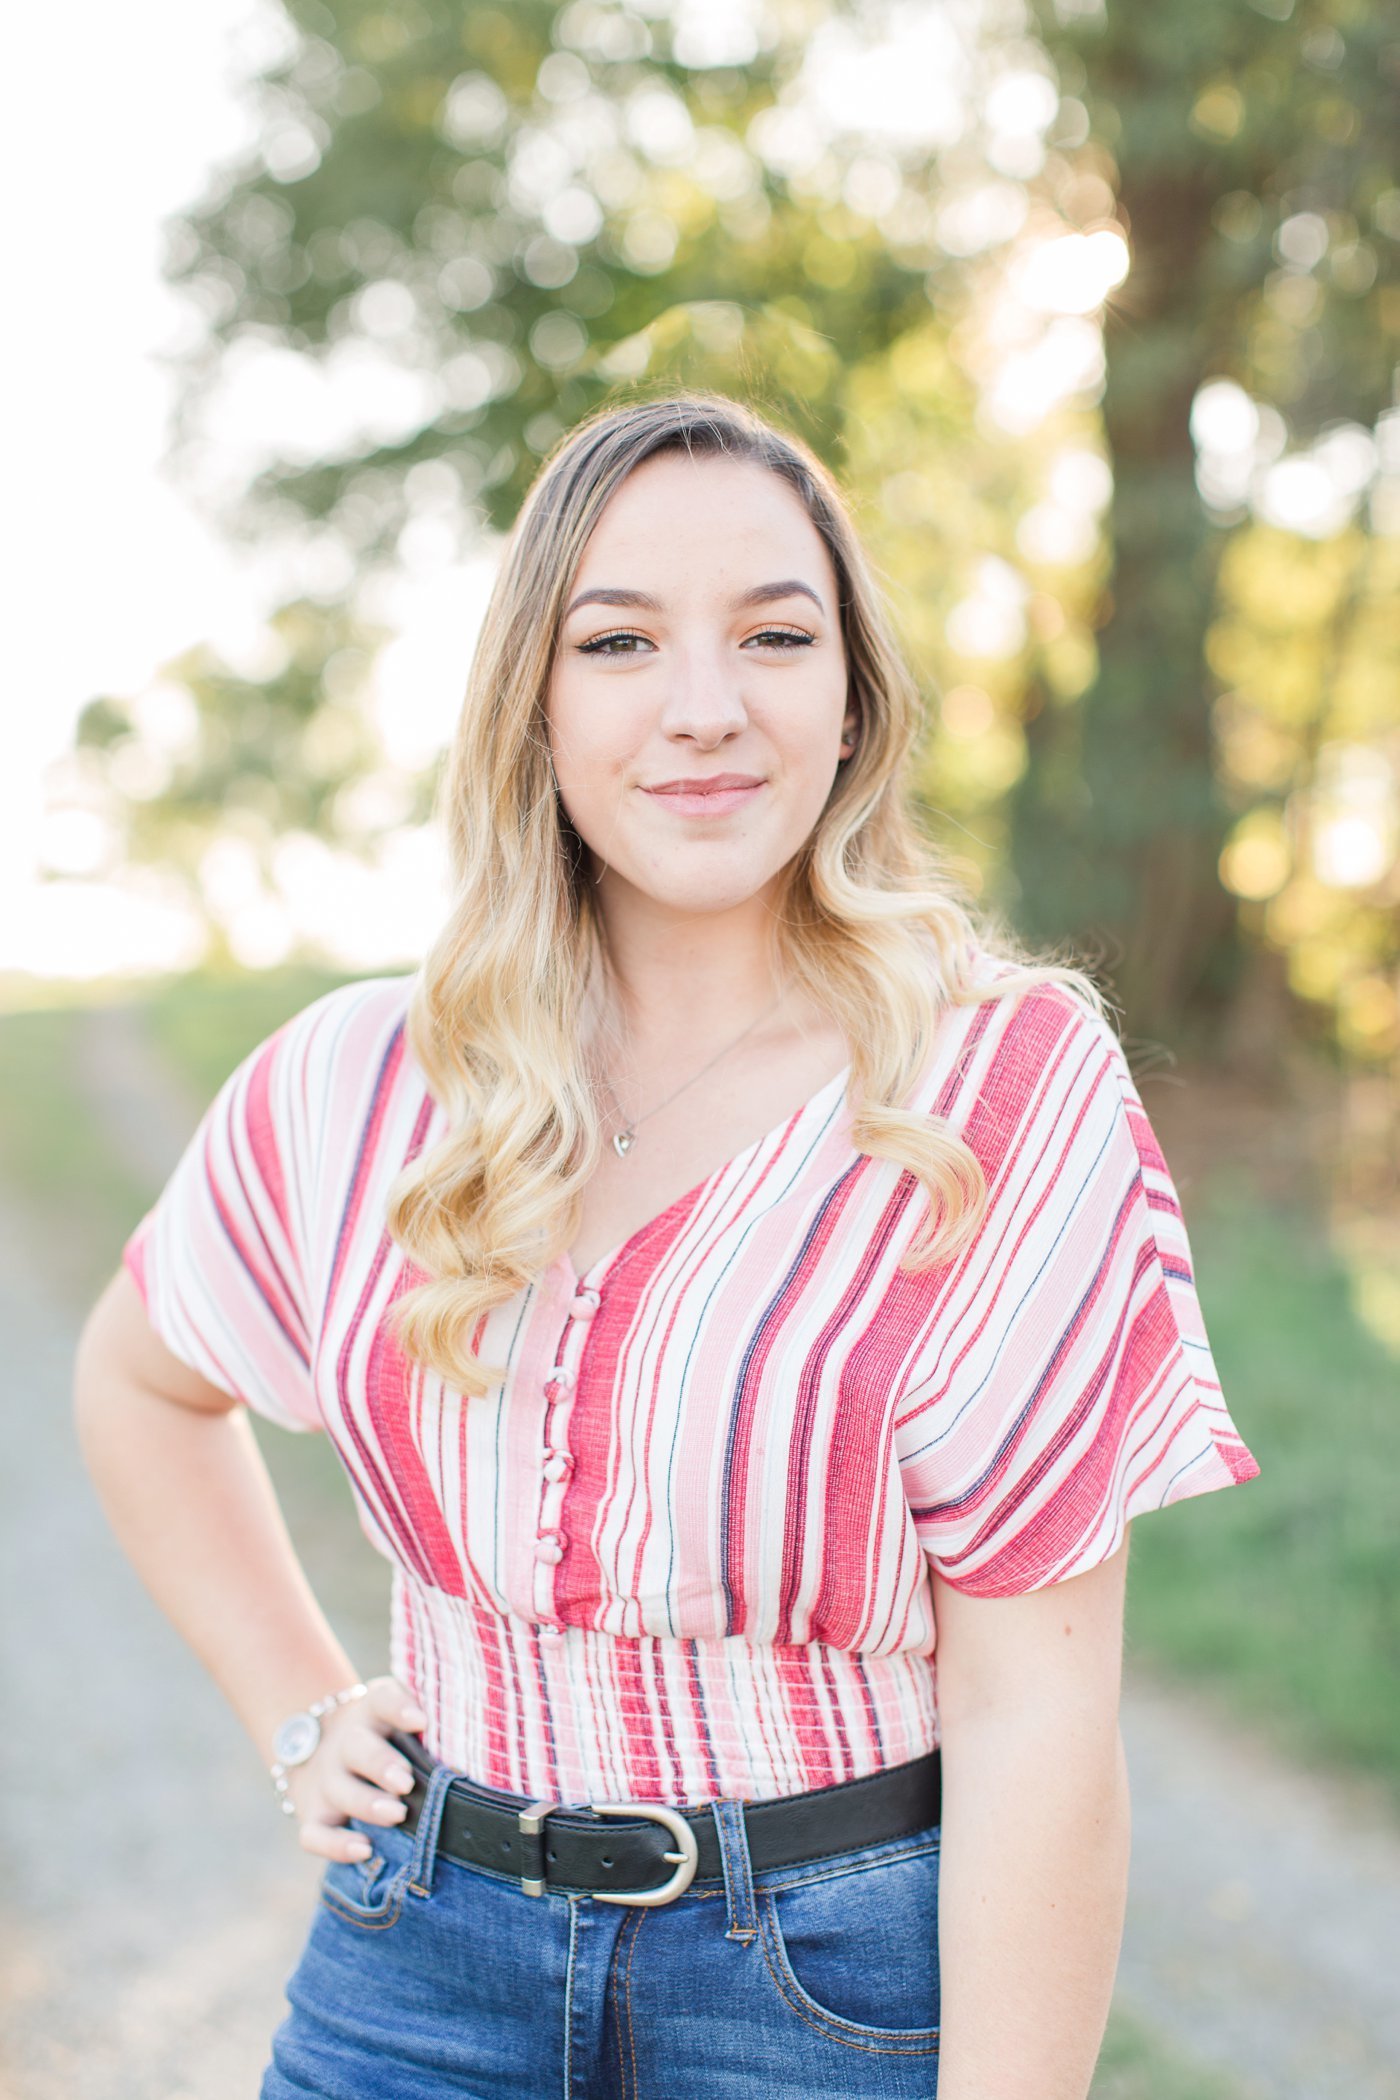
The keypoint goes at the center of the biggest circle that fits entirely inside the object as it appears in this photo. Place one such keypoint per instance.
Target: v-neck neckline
(582, 1280)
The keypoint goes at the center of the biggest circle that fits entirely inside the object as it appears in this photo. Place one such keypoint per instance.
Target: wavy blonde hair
(872, 922)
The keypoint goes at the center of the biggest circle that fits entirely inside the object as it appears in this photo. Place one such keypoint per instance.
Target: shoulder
(348, 1016)
(335, 1055)
(1042, 1069)
(1052, 1032)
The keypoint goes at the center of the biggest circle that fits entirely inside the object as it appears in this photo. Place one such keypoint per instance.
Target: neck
(680, 981)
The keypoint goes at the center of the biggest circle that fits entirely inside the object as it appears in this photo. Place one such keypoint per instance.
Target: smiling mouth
(705, 783)
(705, 801)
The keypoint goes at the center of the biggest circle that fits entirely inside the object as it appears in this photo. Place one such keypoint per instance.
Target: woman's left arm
(1033, 1866)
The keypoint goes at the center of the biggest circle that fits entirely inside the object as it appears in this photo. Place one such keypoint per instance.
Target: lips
(707, 797)
(711, 784)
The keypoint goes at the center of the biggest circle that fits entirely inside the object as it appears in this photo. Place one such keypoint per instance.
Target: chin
(706, 900)
(705, 894)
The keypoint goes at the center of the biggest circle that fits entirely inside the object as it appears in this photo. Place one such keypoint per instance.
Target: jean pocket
(369, 1892)
(855, 1951)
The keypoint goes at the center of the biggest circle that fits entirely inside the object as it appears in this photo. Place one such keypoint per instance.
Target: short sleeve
(1066, 1383)
(224, 1259)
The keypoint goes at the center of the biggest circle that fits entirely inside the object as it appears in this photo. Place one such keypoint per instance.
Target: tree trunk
(1129, 869)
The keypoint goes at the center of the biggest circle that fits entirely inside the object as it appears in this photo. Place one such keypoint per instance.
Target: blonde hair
(873, 924)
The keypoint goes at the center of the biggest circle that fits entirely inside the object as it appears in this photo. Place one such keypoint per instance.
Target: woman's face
(701, 643)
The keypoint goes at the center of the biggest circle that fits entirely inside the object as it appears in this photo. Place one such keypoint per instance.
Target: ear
(849, 728)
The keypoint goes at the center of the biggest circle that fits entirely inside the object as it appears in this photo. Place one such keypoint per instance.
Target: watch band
(295, 1744)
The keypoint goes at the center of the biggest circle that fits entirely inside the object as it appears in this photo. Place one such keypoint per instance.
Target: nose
(704, 696)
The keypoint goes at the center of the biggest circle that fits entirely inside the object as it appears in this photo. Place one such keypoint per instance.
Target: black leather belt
(646, 1852)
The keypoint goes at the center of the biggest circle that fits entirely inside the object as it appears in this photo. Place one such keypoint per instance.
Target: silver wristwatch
(298, 1736)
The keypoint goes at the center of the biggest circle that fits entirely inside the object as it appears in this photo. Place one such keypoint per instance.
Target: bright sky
(118, 575)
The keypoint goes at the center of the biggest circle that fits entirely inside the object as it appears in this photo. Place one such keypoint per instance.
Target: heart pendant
(623, 1141)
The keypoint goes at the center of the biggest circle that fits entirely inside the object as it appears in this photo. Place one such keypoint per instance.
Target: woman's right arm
(185, 1488)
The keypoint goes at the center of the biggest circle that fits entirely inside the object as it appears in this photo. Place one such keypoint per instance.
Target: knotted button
(585, 1304)
(550, 1630)
(560, 1378)
(550, 1545)
(558, 1465)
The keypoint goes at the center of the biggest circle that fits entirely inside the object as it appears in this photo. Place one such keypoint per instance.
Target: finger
(359, 1731)
(390, 1703)
(368, 1755)
(334, 1840)
(356, 1797)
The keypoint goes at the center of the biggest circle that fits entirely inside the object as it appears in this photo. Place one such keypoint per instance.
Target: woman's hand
(355, 1771)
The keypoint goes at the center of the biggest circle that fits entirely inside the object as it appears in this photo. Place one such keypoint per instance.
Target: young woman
(725, 1269)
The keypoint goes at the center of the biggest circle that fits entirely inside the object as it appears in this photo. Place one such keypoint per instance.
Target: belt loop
(425, 1832)
(740, 1910)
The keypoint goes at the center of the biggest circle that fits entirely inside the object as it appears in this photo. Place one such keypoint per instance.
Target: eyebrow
(760, 594)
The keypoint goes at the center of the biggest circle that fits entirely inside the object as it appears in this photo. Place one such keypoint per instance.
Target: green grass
(204, 1026)
(1284, 1592)
(1138, 2063)
(57, 1168)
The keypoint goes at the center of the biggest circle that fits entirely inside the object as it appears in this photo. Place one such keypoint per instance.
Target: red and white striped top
(682, 1550)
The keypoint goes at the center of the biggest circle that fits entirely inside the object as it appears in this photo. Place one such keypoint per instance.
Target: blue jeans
(422, 1976)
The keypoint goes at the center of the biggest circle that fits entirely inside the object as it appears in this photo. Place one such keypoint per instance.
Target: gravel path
(163, 1899)
(1264, 1910)
(148, 1113)
(166, 1900)
(164, 1904)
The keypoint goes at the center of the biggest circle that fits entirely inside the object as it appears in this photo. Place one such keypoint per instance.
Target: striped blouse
(682, 1549)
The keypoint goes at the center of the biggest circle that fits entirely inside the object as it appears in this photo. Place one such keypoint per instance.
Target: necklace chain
(625, 1138)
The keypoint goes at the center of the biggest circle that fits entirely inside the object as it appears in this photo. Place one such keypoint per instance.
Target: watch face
(296, 1739)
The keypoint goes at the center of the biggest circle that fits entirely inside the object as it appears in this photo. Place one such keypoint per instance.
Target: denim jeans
(422, 1976)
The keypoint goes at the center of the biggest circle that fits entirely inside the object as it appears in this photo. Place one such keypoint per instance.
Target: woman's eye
(602, 644)
(623, 642)
(784, 638)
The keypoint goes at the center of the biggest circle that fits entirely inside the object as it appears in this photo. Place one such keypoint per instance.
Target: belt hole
(606, 1861)
(551, 1855)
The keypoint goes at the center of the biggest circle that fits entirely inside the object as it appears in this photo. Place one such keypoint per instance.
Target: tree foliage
(1251, 152)
(475, 224)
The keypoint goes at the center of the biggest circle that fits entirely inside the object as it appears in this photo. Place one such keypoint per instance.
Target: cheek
(590, 751)
(573, 739)
(808, 739)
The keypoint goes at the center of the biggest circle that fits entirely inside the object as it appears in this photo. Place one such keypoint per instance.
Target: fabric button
(549, 1546)
(585, 1305)
(550, 1630)
(558, 1465)
(560, 1377)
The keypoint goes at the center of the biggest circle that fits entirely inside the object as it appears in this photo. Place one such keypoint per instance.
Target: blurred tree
(1306, 642)
(1251, 149)
(478, 225)
(472, 226)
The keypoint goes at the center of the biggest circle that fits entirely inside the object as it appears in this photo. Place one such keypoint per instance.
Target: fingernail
(414, 1719)
(358, 1848)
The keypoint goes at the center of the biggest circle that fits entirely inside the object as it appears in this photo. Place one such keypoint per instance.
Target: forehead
(681, 520)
